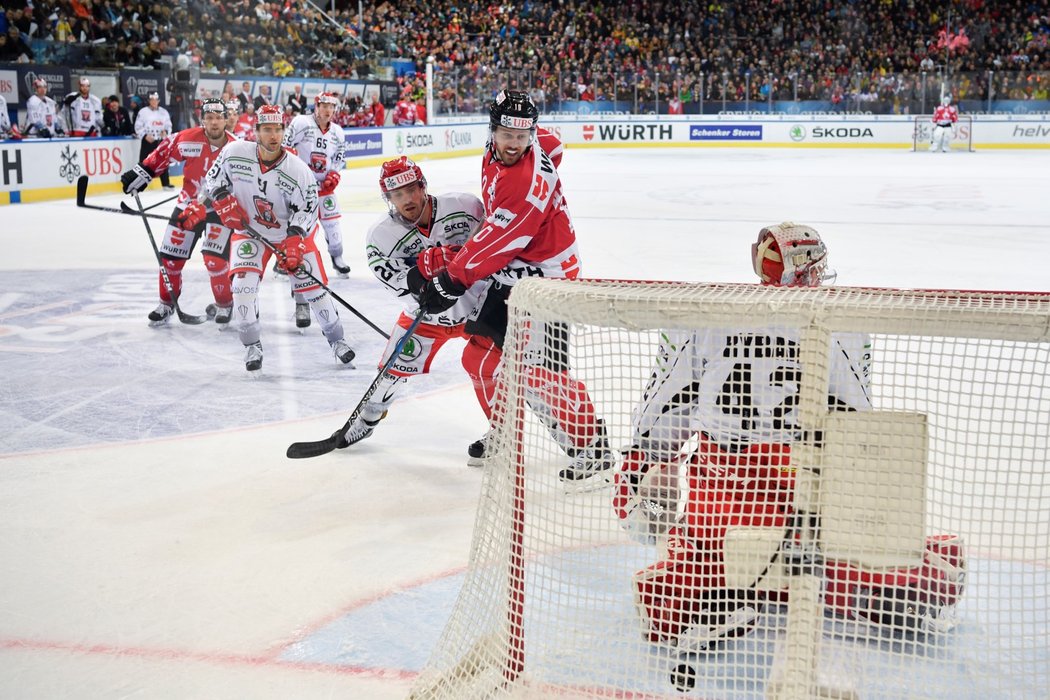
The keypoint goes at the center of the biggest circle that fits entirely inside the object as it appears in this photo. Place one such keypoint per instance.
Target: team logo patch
(247, 249)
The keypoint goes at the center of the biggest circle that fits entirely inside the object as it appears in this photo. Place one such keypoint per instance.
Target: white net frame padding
(956, 444)
(922, 133)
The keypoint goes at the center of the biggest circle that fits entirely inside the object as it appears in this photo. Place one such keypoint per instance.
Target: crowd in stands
(871, 51)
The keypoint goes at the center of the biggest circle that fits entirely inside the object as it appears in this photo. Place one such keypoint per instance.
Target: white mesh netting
(832, 492)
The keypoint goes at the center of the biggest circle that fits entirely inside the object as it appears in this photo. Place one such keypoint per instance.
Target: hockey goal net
(962, 135)
(898, 549)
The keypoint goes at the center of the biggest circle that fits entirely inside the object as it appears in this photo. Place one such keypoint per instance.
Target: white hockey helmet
(791, 255)
(946, 100)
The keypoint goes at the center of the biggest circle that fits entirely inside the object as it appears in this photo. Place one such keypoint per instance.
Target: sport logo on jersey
(264, 213)
(318, 162)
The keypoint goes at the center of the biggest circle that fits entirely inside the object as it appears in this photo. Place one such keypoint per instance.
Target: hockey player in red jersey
(527, 232)
(721, 406)
(197, 148)
(945, 119)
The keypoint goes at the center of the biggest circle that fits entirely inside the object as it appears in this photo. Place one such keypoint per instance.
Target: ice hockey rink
(156, 543)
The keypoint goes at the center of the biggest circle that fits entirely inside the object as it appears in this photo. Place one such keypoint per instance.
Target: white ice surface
(154, 540)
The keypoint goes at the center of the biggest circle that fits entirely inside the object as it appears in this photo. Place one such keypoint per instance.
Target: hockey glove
(229, 210)
(433, 260)
(292, 250)
(136, 179)
(44, 133)
(440, 293)
(328, 185)
(192, 216)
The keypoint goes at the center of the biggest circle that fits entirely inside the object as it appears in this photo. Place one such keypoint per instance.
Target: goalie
(945, 121)
(731, 395)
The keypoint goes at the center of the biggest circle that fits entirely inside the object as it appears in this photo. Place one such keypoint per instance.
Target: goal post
(922, 133)
(896, 547)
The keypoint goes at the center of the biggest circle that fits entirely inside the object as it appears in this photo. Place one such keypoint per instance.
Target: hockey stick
(302, 450)
(82, 185)
(128, 210)
(254, 234)
(183, 316)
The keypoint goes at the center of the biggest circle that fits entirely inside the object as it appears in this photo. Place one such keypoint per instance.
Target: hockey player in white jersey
(6, 130)
(728, 398)
(320, 143)
(85, 111)
(406, 248)
(42, 118)
(263, 186)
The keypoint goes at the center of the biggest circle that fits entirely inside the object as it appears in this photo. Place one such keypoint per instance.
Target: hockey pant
(177, 246)
(414, 359)
(754, 488)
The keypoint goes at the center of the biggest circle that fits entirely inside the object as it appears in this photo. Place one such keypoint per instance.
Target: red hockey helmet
(269, 114)
(400, 172)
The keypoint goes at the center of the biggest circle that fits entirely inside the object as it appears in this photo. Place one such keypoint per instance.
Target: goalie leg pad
(917, 598)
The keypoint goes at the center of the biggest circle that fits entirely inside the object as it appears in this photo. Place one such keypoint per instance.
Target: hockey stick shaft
(82, 185)
(128, 210)
(302, 450)
(183, 316)
(255, 234)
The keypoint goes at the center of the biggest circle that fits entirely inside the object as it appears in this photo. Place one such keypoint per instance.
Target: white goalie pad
(872, 488)
(750, 558)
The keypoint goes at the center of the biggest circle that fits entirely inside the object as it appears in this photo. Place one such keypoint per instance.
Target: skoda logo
(797, 133)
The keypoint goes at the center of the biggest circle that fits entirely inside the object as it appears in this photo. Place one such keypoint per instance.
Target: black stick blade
(304, 450)
(82, 185)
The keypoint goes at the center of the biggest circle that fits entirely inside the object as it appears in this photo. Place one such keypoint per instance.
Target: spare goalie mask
(791, 255)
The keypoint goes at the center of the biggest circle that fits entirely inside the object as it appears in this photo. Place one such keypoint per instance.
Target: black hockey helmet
(513, 109)
(213, 105)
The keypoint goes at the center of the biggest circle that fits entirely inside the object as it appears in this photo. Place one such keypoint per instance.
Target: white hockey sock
(245, 288)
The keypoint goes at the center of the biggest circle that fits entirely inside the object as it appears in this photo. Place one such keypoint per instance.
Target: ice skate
(340, 265)
(594, 459)
(254, 357)
(343, 352)
(220, 314)
(302, 316)
(477, 451)
(160, 315)
(361, 429)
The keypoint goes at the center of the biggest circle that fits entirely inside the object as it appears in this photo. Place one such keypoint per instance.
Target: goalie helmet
(213, 105)
(791, 255)
(513, 109)
(269, 114)
(946, 100)
(326, 98)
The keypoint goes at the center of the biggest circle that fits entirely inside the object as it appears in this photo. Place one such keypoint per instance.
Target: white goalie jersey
(321, 151)
(392, 248)
(739, 388)
(282, 195)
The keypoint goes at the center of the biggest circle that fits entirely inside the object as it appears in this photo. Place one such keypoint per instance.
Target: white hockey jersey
(274, 198)
(322, 151)
(85, 113)
(740, 387)
(155, 123)
(392, 248)
(41, 113)
(5, 119)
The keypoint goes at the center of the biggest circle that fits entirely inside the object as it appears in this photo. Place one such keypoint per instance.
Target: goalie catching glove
(136, 179)
(440, 293)
(291, 250)
(229, 210)
(328, 185)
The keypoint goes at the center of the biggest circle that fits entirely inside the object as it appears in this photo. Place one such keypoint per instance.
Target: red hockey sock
(568, 401)
(174, 268)
(219, 276)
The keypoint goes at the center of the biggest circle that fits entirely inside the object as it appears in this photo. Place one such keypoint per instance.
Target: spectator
(115, 120)
(15, 50)
(298, 100)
